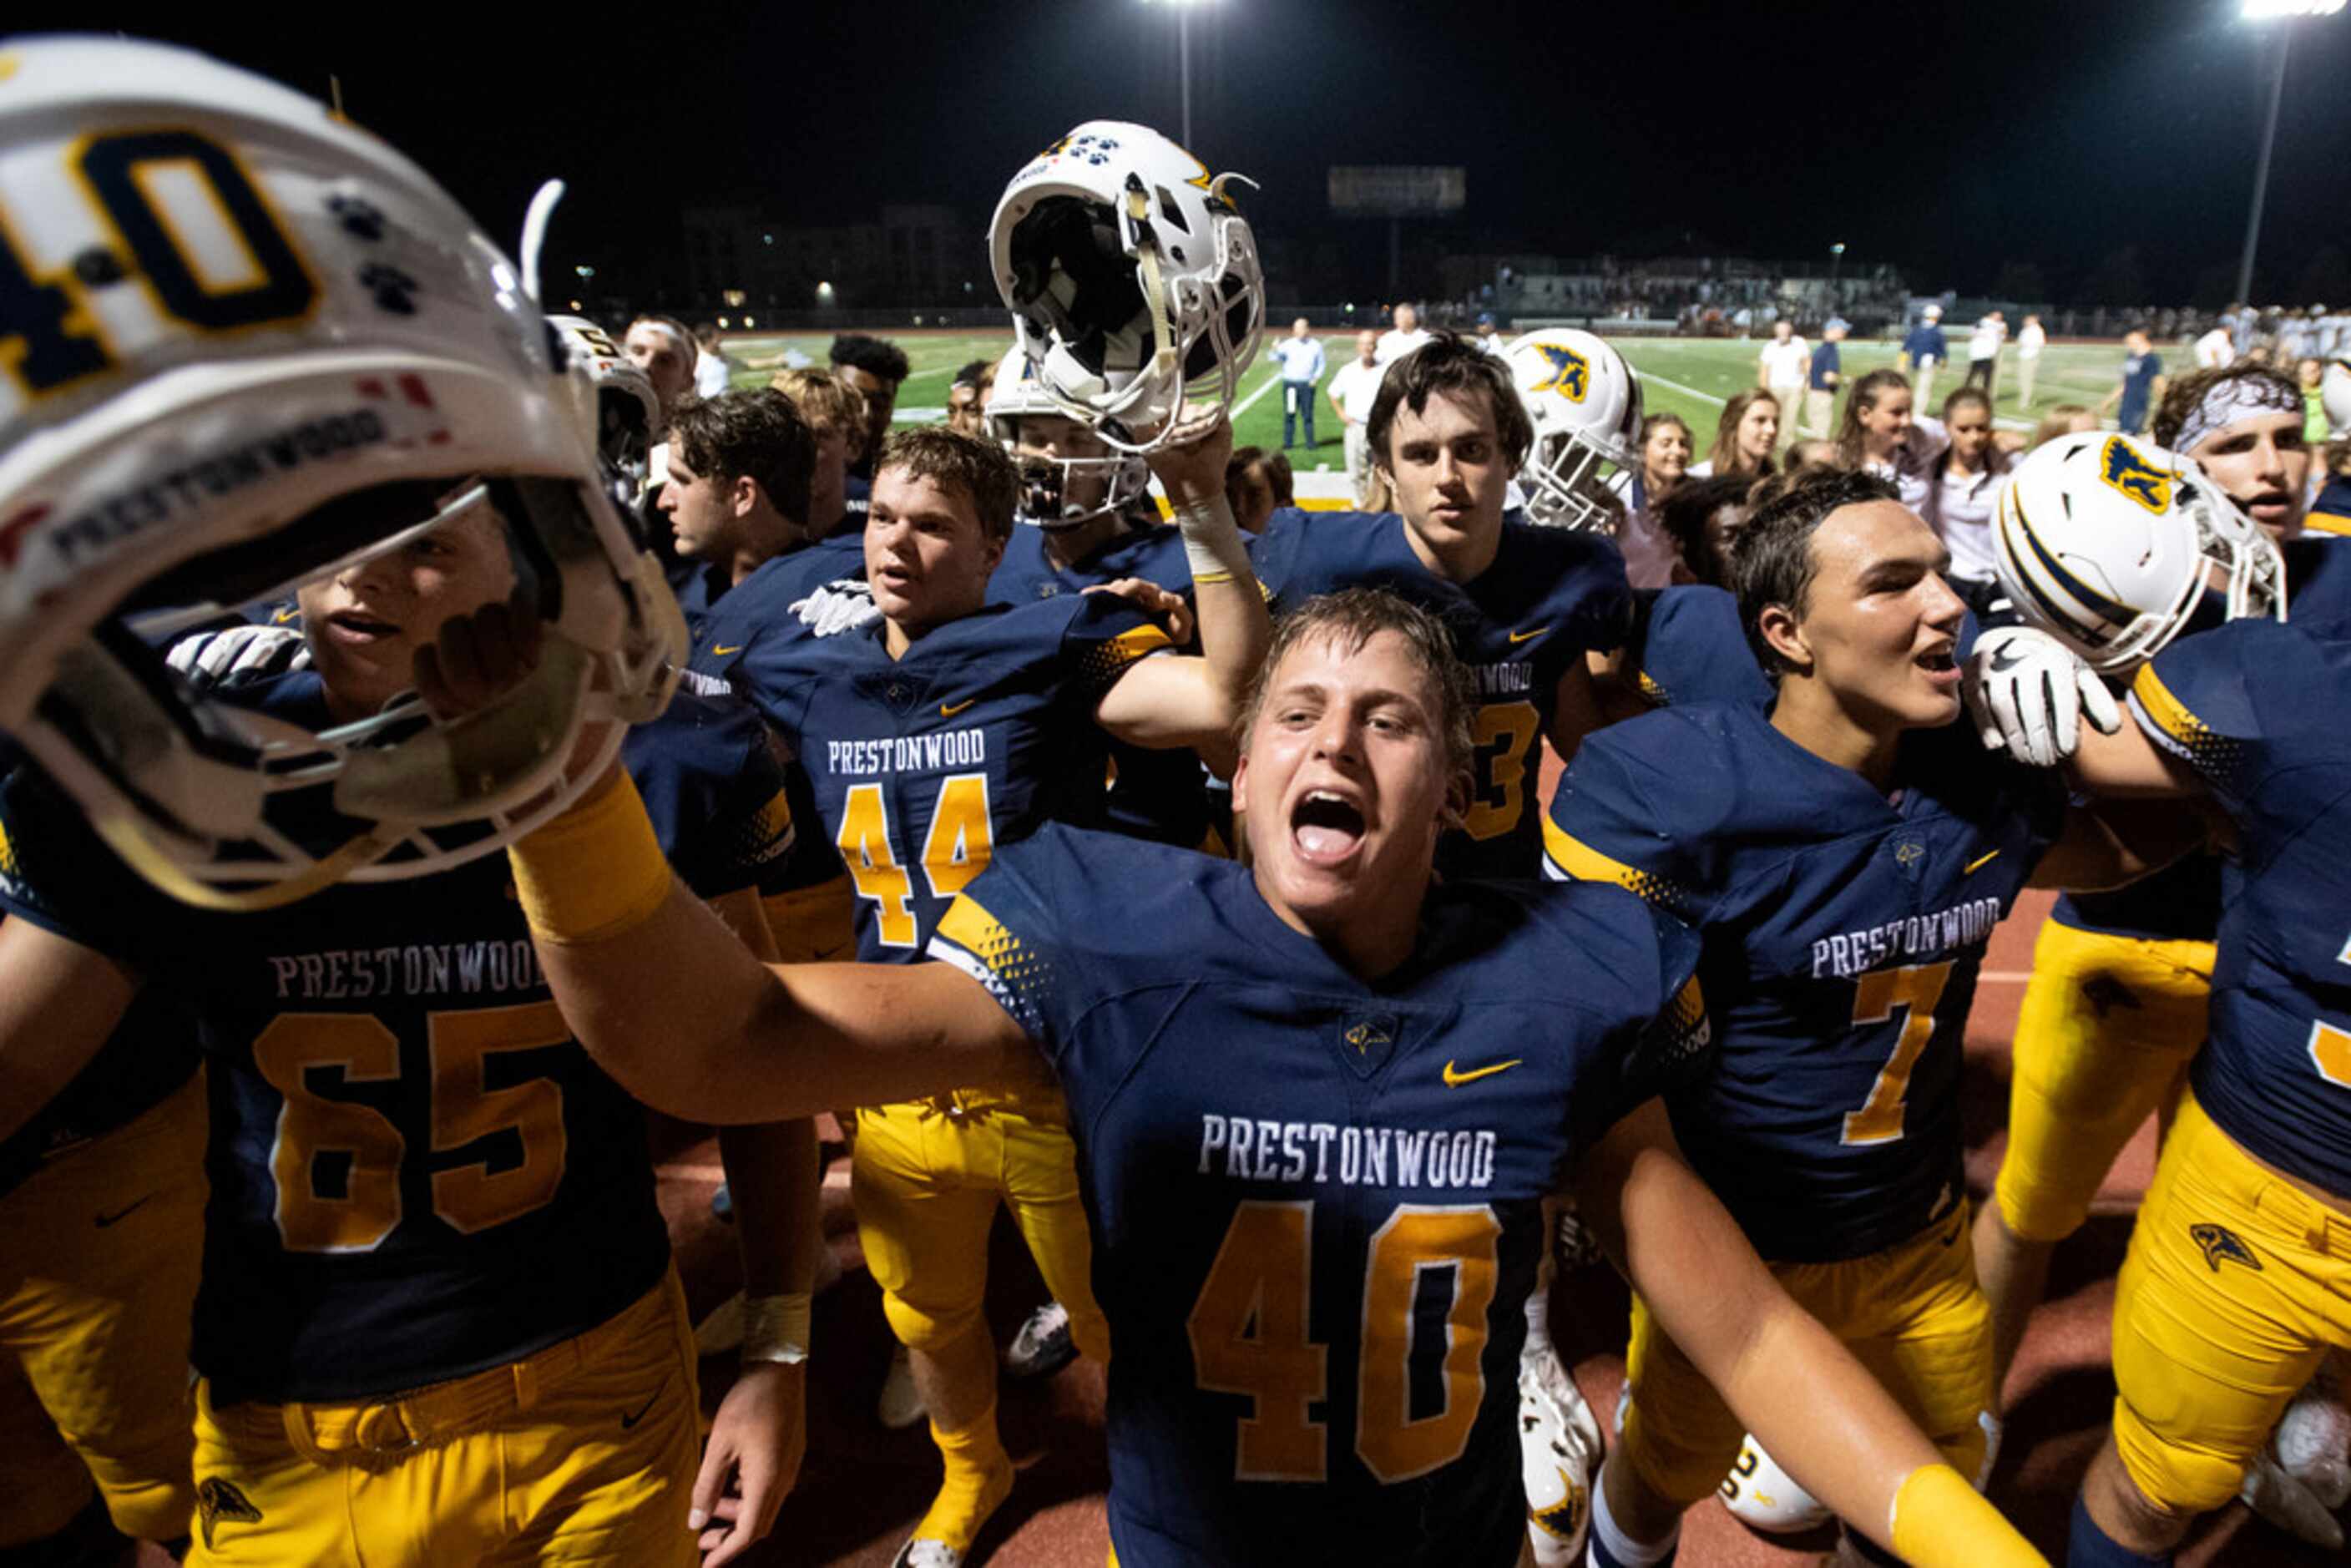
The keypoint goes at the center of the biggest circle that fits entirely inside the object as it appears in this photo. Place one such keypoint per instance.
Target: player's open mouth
(1941, 665)
(351, 626)
(1326, 827)
(2272, 508)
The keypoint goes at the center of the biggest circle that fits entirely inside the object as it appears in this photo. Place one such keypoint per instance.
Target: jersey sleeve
(1606, 825)
(2201, 700)
(1693, 649)
(1105, 638)
(1595, 596)
(1006, 931)
(715, 790)
(1665, 1039)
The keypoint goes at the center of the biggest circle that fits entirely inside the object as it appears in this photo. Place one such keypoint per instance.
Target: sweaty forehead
(1858, 537)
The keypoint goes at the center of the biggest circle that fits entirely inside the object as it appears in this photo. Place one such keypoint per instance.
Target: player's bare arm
(2110, 844)
(58, 1002)
(1799, 1390)
(1195, 701)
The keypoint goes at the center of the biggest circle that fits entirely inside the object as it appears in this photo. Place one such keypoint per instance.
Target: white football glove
(212, 659)
(844, 604)
(2304, 1473)
(2028, 693)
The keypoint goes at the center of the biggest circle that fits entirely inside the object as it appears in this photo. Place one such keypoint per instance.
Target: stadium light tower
(1183, 9)
(2286, 12)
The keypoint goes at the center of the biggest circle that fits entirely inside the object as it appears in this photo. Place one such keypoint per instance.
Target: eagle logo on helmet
(2221, 1245)
(1570, 373)
(2121, 466)
(1564, 1519)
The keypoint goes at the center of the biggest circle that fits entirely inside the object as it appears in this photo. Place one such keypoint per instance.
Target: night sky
(1948, 139)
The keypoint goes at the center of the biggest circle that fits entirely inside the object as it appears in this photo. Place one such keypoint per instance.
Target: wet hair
(753, 434)
(1449, 363)
(1685, 514)
(1772, 561)
(1724, 454)
(980, 469)
(882, 359)
(1867, 392)
(1349, 619)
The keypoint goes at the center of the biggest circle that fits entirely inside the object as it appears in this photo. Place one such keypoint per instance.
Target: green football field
(1690, 377)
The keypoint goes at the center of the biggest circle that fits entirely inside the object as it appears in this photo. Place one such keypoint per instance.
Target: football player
(834, 413)
(875, 368)
(1845, 854)
(372, 413)
(2117, 1000)
(2232, 1293)
(1315, 1148)
(931, 738)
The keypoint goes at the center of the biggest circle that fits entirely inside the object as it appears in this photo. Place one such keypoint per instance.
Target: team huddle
(387, 823)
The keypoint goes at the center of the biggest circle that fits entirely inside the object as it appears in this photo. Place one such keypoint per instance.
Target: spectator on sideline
(1303, 364)
(2312, 373)
(2030, 340)
(2141, 386)
(1257, 482)
(1826, 369)
(1644, 488)
(1876, 435)
(1406, 335)
(1352, 392)
(1700, 520)
(2215, 349)
(712, 373)
(834, 413)
(1984, 350)
(877, 369)
(1489, 339)
(665, 352)
(1783, 369)
(1744, 437)
(1962, 491)
(1925, 347)
(967, 400)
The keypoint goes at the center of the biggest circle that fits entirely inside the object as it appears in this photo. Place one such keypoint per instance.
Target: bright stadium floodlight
(1183, 9)
(2287, 11)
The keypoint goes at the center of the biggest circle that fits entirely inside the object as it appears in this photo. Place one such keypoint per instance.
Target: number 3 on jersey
(956, 849)
(1248, 1334)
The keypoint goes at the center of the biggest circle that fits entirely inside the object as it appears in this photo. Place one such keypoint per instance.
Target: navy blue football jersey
(1164, 796)
(1551, 597)
(2258, 711)
(1844, 932)
(1688, 646)
(921, 767)
(2182, 901)
(1316, 1201)
(417, 1172)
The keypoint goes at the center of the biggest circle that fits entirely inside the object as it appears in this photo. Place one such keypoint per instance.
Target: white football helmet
(1766, 1497)
(1132, 281)
(1585, 403)
(254, 346)
(612, 399)
(2109, 545)
(2335, 395)
(1056, 492)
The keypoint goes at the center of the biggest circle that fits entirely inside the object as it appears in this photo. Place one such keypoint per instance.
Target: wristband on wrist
(1938, 1519)
(592, 872)
(1212, 540)
(775, 1328)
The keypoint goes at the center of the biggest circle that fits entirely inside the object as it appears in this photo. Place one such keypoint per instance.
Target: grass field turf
(1687, 376)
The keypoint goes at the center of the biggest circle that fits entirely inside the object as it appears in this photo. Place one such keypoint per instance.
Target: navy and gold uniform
(2239, 1271)
(102, 1201)
(1549, 597)
(437, 1314)
(1166, 794)
(1687, 645)
(1318, 1200)
(1844, 931)
(2116, 1007)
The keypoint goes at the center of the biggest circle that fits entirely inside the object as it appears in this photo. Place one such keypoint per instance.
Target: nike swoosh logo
(2005, 657)
(1979, 862)
(1454, 1078)
(106, 1219)
(629, 1421)
(948, 710)
(730, 648)
(283, 617)
(1519, 637)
